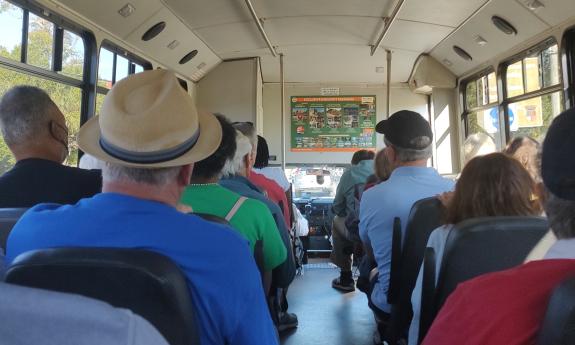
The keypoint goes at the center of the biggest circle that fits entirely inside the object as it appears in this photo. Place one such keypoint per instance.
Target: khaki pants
(341, 254)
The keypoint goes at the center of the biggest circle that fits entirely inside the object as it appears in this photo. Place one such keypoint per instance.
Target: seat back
(482, 245)
(8, 217)
(475, 247)
(424, 217)
(558, 327)
(395, 269)
(147, 283)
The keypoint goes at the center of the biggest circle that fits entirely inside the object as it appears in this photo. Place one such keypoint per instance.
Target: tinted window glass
(12, 18)
(121, 68)
(515, 79)
(485, 121)
(40, 42)
(533, 116)
(105, 68)
(73, 55)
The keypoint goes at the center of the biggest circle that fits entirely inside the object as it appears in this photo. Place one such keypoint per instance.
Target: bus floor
(325, 315)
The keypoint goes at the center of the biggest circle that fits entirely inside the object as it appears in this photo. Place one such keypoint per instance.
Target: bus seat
(424, 217)
(482, 245)
(395, 269)
(558, 327)
(427, 292)
(8, 217)
(147, 283)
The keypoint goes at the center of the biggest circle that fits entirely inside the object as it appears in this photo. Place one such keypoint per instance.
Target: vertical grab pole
(283, 135)
(388, 53)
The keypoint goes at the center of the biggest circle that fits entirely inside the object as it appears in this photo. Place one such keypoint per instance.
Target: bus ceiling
(327, 41)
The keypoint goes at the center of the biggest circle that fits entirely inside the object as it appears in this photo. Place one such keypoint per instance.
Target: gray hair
(24, 114)
(155, 176)
(236, 163)
(561, 216)
(410, 155)
(249, 130)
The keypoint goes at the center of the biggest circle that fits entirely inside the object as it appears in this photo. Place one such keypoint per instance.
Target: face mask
(60, 134)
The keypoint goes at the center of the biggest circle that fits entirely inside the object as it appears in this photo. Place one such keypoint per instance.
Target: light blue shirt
(437, 241)
(387, 200)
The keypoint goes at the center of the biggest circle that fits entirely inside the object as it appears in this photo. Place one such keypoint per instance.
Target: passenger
(261, 166)
(526, 151)
(507, 307)
(382, 170)
(235, 179)
(408, 138)
(490, 186)
(270, 187)
(478, 144)
(250, 217)
(346, 203)
(36, 133)
(150, 135)
(34, 316)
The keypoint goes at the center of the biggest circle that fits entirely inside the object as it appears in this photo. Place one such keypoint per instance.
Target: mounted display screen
(332, 123)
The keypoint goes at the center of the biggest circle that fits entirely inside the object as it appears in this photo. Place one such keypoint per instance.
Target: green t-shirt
(253, 219)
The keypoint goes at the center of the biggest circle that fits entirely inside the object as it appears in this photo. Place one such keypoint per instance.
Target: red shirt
(274, 192)
(504, 307)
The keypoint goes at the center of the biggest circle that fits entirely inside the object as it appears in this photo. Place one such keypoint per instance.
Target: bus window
(73, 61)
(480, 108)
(314, 181)
(64, 87)
(115, 64)
(539, 70)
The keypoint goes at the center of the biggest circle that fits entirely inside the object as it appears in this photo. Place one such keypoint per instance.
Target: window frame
(131, 57)
(566, 70)
(463, 96)
(87, 84)
(505, 100)
(568, 64)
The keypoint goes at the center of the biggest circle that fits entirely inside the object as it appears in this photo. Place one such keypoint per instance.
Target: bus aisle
(327, 316)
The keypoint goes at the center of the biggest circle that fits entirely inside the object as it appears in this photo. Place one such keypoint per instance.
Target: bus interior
(496, 68)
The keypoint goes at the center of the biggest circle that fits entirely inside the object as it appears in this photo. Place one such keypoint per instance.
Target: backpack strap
(235, 208)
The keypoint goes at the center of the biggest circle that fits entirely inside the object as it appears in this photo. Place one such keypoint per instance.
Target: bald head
(32, 125)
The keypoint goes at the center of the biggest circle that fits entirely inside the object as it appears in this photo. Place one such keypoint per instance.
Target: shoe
(286, 321)
(343, 284)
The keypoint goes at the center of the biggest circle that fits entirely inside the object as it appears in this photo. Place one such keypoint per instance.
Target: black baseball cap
(558, 160)
(403, 127)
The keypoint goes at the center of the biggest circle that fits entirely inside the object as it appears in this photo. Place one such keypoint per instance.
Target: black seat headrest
(147, 283)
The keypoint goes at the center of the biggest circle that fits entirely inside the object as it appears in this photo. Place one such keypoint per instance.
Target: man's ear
(390, 154)
(248, 163)
(185, 174)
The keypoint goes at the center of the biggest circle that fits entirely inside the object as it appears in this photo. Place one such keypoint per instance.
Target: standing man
(345, 204)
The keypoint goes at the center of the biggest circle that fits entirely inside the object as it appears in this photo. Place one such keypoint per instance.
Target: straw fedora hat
(148, 121)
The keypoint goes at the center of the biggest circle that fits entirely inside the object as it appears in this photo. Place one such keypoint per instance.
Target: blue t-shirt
(223, 279)
(385, 201)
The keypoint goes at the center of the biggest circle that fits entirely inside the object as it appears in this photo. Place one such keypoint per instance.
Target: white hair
(410, 155)
(237, 163)
(155, 176)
